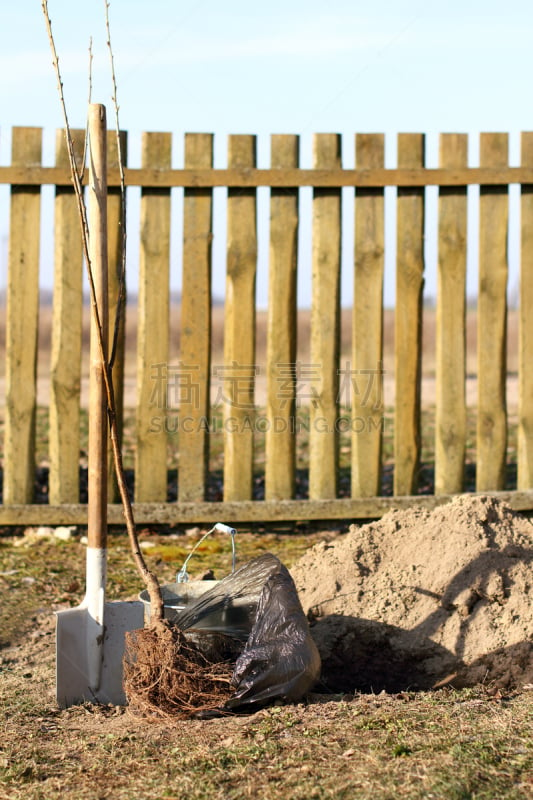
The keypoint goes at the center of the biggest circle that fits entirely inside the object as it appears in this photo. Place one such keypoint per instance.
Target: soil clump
(422, 598)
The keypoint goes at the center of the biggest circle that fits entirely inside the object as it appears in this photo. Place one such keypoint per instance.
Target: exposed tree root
(166, 674)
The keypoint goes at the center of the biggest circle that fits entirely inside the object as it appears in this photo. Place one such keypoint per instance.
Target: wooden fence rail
(185, 387)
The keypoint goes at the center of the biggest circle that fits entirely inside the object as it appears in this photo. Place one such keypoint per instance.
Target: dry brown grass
(474, 744)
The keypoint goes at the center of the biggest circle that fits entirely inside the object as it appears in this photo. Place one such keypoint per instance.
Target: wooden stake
(97, 510)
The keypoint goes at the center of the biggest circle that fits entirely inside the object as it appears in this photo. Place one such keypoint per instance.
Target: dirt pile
(424, 598)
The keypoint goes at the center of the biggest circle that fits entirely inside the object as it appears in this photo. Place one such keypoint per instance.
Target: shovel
(90, 638)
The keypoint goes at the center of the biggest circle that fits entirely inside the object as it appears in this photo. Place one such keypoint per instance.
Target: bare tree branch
(122, 283)
(89, 100)
(150, 580)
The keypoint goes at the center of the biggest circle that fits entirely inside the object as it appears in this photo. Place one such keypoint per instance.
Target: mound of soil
(424, 598)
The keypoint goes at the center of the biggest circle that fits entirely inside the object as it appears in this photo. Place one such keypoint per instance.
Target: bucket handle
(219, 527)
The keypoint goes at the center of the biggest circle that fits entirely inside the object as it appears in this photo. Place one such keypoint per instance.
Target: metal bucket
(221, 633)
(233, 620)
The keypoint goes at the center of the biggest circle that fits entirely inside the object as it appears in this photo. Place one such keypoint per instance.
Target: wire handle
(219, 527)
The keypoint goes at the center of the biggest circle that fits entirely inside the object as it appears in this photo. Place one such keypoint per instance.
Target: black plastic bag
(280, 660)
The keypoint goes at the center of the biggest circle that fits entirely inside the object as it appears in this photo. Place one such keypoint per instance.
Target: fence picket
(195, 354)
(325, 322)
(65, 368)
(281, 328)
(153, 328)
(450, 421)
(367, 347)
(525, 373)
(492, 320)
(322, 384)
(22, 324)
(237, 379)
(408, 319)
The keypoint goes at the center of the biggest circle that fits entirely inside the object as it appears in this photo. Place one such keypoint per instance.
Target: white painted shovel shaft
(96, 578)
(95, 603)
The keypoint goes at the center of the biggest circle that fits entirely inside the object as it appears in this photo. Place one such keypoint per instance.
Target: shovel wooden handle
(97, 204)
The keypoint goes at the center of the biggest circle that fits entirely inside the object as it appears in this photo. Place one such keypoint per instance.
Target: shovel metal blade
(73, 684)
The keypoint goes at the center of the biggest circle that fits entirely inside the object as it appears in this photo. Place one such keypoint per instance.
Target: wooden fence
(192, 375)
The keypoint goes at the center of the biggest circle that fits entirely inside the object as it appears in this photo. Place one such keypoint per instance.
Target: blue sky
(290, 66)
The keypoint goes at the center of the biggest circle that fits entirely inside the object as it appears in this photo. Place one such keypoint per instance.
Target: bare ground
(444, 744)
(474, 743)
